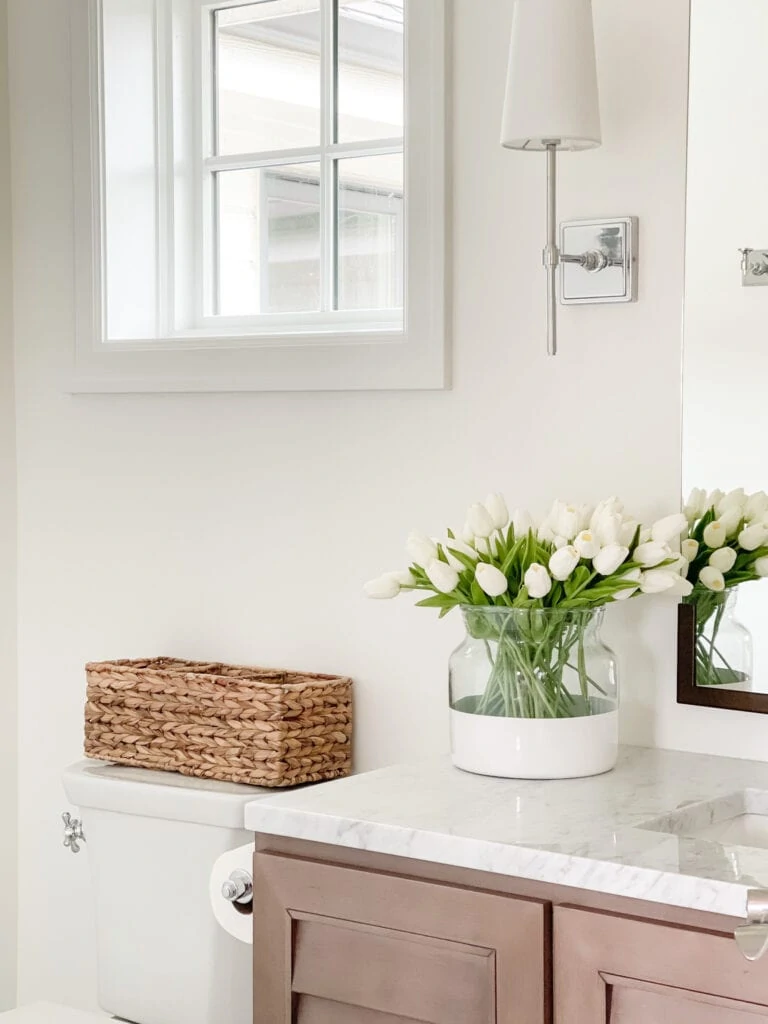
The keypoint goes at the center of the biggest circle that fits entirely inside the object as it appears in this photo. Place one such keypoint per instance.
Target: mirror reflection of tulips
(726, 546)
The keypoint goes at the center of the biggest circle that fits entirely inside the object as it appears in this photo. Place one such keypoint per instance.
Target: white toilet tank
(152, 839)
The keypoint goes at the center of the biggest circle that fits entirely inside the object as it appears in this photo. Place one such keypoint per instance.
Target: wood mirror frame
(706, 696)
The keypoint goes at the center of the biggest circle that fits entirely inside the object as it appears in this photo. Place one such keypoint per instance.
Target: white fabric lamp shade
(552, 82)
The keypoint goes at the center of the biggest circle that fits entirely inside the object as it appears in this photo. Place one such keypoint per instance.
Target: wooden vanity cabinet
(337, 945)
(344, 937)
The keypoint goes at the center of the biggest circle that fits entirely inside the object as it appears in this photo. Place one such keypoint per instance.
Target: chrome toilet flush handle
(73, 832)
(752, 937)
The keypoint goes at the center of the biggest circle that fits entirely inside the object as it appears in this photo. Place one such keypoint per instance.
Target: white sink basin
(737, 820)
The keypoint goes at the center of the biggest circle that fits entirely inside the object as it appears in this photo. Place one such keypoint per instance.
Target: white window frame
(348, 351)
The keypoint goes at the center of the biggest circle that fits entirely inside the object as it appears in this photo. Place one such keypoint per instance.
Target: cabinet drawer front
(388, 949)
(625, 971)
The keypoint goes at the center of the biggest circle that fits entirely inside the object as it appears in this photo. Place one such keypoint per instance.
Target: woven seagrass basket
(262, 727)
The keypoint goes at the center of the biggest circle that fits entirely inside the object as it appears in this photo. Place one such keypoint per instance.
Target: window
(260, 192)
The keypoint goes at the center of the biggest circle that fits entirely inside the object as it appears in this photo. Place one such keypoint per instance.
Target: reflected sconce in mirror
(552, 104)
(754, 267)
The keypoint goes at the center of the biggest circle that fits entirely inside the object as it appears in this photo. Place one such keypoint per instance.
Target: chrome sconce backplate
(605, 269)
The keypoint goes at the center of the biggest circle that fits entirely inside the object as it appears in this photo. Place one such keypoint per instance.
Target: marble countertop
(600, 834)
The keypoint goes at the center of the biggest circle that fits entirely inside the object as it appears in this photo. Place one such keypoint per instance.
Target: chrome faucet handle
(238, 888)
(73, 832)
(752, 937)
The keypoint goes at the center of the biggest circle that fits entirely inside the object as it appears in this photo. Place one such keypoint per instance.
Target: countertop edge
(592, 874)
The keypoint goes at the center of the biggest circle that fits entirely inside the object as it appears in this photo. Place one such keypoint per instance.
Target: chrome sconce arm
(592, 261)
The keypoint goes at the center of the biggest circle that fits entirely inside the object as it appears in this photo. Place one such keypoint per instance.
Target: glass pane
(268, 76)
(269, 240)
(371, 59)
(371, 232)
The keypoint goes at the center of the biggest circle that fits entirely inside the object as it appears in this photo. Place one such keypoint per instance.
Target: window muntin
(327, 235)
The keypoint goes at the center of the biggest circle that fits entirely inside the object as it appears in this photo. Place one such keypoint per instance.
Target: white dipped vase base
(535, 748)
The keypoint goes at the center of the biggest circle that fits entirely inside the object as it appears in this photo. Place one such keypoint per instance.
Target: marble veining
(615, 834)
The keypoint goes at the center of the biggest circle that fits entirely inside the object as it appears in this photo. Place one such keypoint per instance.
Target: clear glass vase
(534, 694)
(724, 648)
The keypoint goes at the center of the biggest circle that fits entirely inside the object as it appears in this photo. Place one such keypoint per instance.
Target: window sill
(364, 361)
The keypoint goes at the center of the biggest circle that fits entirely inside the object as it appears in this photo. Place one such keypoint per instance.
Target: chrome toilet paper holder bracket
(238, 888)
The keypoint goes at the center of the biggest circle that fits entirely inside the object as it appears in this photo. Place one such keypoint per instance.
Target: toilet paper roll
(235, 919)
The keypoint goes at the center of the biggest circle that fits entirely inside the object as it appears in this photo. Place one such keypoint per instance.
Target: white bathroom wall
(8, 834)
(242, 526)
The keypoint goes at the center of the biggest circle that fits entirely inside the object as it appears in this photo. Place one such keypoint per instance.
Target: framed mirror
(723, 647)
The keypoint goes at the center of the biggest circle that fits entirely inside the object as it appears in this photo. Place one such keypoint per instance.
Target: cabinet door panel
(615, 970)
(388, 949)
(393, 972)
(320, 1011)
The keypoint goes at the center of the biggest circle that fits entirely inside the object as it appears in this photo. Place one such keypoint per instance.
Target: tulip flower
(734, 499)
(497, 509)
(627, 532)
(680, 566)
(658, 581)
(723, 559)
(587, 544)
(607, 561)
(521, 522)
(714, 498)
(545, 534)
(715, 535)
(696, 505)
(761, 567)
(382, 589)
(712, 579)
(442, 577)
(453, 561)
(564, 520)
(480, 521)
(491, 580)
(689, 549)
(421, 550)
(682, 588)
(651, 554)
(563, 562)
(611, 506)
(607, 527)
(732, 519)
(670, 529)
(753, 537)
(756, 506)
(403, 576)
(633, 576)
(537, 581)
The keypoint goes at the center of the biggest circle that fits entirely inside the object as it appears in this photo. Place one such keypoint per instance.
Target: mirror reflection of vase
(724, 648)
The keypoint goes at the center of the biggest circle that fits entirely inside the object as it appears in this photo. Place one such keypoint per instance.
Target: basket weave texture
(262, 727)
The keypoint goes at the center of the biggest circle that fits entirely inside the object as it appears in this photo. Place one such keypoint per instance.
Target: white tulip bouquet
(726, 545)
(549, 576)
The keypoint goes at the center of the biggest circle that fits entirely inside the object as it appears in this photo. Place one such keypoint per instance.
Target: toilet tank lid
(150, 794)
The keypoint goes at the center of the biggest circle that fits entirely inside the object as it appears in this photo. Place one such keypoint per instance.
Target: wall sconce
(552, 103)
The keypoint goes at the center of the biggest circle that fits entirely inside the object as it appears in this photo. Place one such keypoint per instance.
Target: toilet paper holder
(238, 888)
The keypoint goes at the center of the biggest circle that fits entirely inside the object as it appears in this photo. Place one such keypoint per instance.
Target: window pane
(269, 240)
(268, 76)
(371, 232)
(370, 40)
